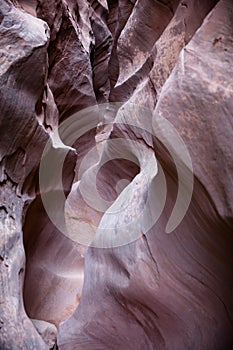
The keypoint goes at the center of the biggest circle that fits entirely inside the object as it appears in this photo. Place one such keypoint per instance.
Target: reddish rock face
(116, 174)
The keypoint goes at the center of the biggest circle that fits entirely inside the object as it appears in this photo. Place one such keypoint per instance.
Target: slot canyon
(116, 164)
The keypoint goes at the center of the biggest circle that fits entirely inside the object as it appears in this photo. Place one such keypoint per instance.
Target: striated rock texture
(116, 182)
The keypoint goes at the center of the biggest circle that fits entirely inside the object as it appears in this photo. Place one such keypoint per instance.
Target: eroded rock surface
(47, 331)
(165, 67)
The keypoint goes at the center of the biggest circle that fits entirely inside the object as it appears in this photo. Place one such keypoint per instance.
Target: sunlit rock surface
(116, 174)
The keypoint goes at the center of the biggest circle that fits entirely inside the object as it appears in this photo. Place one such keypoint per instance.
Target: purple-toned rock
(116, 219)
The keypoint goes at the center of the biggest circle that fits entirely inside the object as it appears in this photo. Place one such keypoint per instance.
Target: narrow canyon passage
(116, 174)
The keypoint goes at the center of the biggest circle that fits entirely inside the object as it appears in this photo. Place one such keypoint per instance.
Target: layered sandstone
(116, 174)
